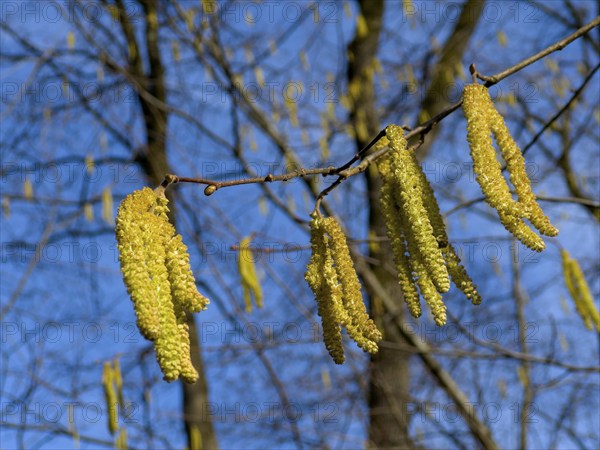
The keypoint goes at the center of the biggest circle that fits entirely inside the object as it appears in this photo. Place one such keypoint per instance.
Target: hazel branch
(490, 81)
(346, 170)
(213, 185)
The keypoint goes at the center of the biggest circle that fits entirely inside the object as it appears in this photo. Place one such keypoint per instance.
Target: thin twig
(346, 170)
(490, 81)
(563, 109)
(213, 185)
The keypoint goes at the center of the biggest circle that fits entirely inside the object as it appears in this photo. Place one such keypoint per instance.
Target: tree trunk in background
(389, 376)
(155, 165)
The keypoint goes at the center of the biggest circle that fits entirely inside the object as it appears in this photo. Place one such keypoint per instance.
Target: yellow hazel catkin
(485, 164)
(399, 250)
(515, 164)
(118, 379)
(156, 270)
(181, 278)
(580, 291)
(391, 214)
(136, 243)
(322, 280)
(417, 231)
(360, 327)
(483, 120)
(456, 270)
(333, 280)
(409, 198)
(121, 439)
(422, 278)
(110, 396)
(247, 269)
(411, 270)
(187, 370)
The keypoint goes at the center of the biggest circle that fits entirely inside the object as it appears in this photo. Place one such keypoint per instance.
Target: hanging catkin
(156, 270)
(247, 269)
(580, 291)
(322, 279)
(483, 121)
(333, 280)
(409, 198)
(423, 255)
(110, 397)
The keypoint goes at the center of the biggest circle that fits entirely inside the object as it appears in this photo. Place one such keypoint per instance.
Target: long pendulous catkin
(483, 122)
(423, 255)
(156, 270)
(333, 280)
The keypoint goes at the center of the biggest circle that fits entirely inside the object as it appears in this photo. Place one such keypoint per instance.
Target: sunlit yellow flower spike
(168, 345)
(423, 255)
(456, 270)
(477, 108)
(110, 396)
(322, 279)
(422, 277)
(183, 284)
(332, 278)
(483, 121)
(188, 372)
(118, 379)
(360, 327)
(156, 270)
(138, 242)
(409, 198)
(121, 439)
(515, 164)
(580, 291)
(391, 214)
(247, 269)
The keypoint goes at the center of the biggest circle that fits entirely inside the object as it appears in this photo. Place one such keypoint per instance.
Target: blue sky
(72, 287)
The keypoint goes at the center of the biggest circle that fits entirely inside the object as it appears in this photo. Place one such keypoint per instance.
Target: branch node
(269, 178)
(474, 73)
(210, 189)
(169, 179)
